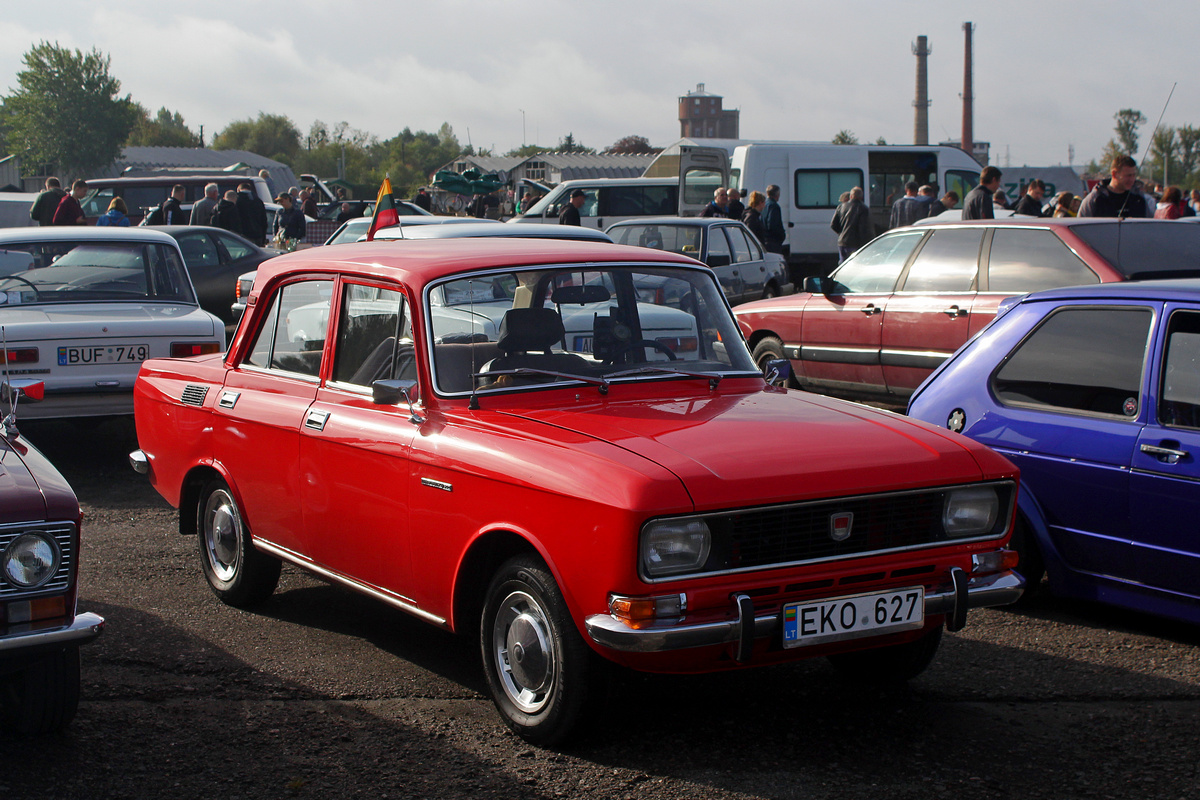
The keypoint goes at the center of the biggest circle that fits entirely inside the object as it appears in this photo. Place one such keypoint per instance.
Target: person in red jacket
(69, 212)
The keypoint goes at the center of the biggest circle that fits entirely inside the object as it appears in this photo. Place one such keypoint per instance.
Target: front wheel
(541, 674)
(1030, 564)
(238, 573)
(44, 696)
(892, 664)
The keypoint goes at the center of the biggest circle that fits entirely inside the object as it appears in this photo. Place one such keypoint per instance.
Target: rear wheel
(44, 696)
(238, 573)
(542, 676)
(892, 664)
(770, 290)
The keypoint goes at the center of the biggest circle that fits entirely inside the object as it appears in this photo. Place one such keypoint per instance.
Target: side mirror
(716, 261)
(32, 390)
(819, 285)
(777, 371)
(391, 392)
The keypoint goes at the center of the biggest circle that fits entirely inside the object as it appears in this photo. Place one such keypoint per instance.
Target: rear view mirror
(819, 285)
(581, 295)
(777, 371)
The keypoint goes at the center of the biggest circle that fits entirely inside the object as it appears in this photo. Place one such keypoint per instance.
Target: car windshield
(538, 327)
(682, 239)
(58, 272)
(1166, 249)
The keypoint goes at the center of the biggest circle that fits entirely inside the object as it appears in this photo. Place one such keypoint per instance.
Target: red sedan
(895, 310)
(508, 439)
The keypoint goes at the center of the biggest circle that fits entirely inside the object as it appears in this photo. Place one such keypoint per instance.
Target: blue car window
(1083, 359)
(1179, 404)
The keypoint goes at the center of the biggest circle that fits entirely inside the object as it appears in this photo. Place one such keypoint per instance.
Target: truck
(811, 177)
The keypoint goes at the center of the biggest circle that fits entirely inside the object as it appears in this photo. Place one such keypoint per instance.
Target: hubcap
(222, 535)
(524, 652)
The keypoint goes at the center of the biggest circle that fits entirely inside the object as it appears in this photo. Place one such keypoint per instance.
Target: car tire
(543, 677)
(44, 696)
(237, 572)
(770, 290)
(1030, 564)
(891, 664)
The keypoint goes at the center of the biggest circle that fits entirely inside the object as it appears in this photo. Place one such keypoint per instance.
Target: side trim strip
(392, 599)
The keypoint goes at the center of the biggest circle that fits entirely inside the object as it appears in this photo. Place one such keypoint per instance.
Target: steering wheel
(662, 348)
(25, 281)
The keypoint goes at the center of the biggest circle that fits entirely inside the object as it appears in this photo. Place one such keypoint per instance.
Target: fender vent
(194, 395)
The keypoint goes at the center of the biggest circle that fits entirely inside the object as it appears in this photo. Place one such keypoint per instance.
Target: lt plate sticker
(853, 617)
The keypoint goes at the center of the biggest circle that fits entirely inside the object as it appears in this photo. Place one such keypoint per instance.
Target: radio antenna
(1149, 144)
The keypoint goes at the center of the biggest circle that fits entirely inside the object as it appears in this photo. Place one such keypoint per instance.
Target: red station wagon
(895, 310)
(507, 439)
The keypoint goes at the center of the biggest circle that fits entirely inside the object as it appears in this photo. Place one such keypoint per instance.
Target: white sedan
(82, 308)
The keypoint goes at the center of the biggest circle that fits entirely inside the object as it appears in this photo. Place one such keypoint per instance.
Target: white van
(609, 200)
(811, 177)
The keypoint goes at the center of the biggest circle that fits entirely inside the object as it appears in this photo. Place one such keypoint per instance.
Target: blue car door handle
(1167, 455)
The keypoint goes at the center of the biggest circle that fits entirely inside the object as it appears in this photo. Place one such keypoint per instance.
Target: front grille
(757, 538)
(63, 534)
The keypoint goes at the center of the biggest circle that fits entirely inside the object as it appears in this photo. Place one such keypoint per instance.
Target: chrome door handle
(316, 420)
(870, 309)
(955, 311)
(1166, 455)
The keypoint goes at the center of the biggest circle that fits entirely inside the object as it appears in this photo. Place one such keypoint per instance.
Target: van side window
(821, 188)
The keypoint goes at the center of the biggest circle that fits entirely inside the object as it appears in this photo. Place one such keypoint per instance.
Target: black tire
(238, 573)
(543, 677)
(1030, 564)
(892, 664)
(44, 696)
(770, 290)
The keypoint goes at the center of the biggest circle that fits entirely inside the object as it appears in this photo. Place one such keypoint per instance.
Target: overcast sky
(1048, 75)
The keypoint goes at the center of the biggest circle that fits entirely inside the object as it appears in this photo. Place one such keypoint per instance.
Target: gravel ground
(323, 693)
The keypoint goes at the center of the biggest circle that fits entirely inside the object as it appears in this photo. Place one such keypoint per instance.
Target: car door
(719, 258)
(1164, 496)
(929, 317)
(262, 408)
(841, 331)
(748, 261)
(203, 260)
(355, 455)
(1069, 399)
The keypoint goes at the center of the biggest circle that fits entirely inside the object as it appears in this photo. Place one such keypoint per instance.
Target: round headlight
(673, 546)
(971, 511)
(31, 560)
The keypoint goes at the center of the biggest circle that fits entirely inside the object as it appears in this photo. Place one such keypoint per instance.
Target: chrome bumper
(83, 629)
(965, 593)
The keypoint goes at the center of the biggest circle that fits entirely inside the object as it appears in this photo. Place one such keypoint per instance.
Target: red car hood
(738, 448)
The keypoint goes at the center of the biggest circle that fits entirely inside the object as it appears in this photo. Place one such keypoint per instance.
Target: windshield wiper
(600, 383)
(713, 379)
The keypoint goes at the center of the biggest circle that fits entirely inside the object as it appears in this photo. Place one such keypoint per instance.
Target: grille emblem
(840, 525)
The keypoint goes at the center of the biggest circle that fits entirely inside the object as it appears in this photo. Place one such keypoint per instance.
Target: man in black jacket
(173, 213)
(852, 223)
(46, 203)
(570, 212)
(253, 213)
(289, 219)
(1116, 197)
(226, 214)
(978, 204)
(1030, 203)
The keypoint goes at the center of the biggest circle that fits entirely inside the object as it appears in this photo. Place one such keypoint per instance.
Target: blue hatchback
(1094, 392)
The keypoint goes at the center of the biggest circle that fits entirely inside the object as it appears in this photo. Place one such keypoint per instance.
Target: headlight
(971, 511)
(672, 546)
(30, 560)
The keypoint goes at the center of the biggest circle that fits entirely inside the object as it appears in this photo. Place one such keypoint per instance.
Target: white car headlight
(31, 560)
(672, 546)
(971, 511)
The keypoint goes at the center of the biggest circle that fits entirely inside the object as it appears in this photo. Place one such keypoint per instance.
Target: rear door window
(1080, 359)
(1026, 260)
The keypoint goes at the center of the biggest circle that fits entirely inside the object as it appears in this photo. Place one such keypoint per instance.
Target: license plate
(103, 354)
(853, 617)
(583, 344)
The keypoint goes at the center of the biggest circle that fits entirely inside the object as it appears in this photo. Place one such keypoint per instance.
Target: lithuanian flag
(385, 209)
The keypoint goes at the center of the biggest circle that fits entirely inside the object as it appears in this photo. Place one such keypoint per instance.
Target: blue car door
(1165, 477)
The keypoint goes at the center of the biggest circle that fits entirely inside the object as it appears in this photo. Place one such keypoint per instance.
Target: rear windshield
(1144, 250)
(63, 272)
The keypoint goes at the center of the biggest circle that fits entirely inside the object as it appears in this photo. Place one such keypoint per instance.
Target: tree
(1163, 158)
(1189, 148)
(845, 137)
(632, 145)
(567, 144)
(271, 135)
(1128, 122)
(166, 129)
(66, 111)
(525, 151)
